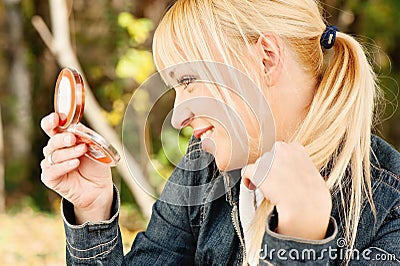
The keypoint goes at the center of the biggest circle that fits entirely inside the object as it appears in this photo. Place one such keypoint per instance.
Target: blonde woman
(331, 193)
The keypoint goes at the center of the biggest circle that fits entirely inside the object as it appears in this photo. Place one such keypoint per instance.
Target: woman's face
(221, 116)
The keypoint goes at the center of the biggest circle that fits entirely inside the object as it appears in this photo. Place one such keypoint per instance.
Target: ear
(270, 51)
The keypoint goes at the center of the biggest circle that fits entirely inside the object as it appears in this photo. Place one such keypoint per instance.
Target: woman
(331, 192)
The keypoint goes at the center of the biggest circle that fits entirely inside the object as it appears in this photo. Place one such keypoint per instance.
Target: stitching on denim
(209, 188)
(394, 209)
(228, 189)
(380, 181)
(386, 171)
(384, 182)
(202, 213)
(385, 221)
(391, 174)
(374, 188)
(95, 256)
(383, 207)
(97, 246)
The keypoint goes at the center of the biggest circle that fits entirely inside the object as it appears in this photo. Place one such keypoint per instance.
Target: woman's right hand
(85, 183)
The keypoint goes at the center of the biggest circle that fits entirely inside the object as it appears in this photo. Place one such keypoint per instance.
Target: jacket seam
(374, 188)
(394, 209)
(92, 257)
(202, 213)
(94, 247)
(324, 241)
(386, 171)
(384, 182)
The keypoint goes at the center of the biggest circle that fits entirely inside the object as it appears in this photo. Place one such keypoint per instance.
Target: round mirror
(69, 102)
(69, 97)
(64, 97)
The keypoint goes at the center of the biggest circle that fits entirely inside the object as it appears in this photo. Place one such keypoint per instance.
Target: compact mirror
(69, 103)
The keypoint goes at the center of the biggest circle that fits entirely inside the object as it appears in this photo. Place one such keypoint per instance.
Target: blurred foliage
(30, 237)
(167, 154)
(134, 63)
(376, 25)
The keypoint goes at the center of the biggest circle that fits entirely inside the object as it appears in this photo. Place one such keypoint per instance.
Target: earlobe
(270, 51)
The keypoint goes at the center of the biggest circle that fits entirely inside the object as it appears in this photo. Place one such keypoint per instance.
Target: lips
(203, 132)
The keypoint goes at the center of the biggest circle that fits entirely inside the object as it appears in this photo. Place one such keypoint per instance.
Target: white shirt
(249, 201)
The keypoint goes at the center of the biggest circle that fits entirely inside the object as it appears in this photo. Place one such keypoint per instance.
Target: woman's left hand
(295, 187)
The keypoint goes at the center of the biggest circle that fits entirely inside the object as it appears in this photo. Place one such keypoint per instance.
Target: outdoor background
(111, 40)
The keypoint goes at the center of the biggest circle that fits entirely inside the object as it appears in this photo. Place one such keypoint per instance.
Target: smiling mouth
(203, 133)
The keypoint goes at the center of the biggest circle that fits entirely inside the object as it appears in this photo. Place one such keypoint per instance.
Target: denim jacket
(209, 232)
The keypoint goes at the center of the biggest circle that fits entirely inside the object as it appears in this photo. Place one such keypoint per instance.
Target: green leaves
(138, 29)
(135, 63)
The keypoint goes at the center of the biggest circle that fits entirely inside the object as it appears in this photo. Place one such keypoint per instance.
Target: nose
(182, 114)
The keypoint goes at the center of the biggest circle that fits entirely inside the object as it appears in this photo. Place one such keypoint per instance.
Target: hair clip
(328, 38)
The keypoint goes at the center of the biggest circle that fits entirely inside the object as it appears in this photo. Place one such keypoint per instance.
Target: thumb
(247, 173)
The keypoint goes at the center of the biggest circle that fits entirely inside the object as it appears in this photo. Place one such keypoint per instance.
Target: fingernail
(79, 148)
(51, 120)
(67, 139)
(73, 162)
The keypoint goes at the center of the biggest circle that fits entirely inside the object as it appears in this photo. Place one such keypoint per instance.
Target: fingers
(61, 147)
(49, 124)
(255, 174)
(58, 156)
(59, 141)
(61, 156)
(51, 174)
(247, 173)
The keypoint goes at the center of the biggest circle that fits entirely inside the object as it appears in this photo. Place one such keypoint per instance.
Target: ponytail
(338, 124)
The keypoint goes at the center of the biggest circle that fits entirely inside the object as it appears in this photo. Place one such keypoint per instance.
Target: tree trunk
(19, 132)
(2, 169)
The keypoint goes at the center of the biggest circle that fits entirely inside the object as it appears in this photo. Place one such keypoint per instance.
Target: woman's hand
(295, 187)
(85, 183)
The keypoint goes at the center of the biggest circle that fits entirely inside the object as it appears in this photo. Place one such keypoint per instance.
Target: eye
(186, 80)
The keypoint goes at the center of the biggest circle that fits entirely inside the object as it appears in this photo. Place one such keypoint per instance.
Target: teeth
(205, 134)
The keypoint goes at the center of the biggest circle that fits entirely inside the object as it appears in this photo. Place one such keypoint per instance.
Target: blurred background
(111, 42)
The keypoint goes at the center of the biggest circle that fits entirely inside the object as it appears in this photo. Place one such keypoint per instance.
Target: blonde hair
(336, 131)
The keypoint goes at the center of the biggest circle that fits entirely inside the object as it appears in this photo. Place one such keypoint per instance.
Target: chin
(228, 164)
(227, 160)
(221, 165)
